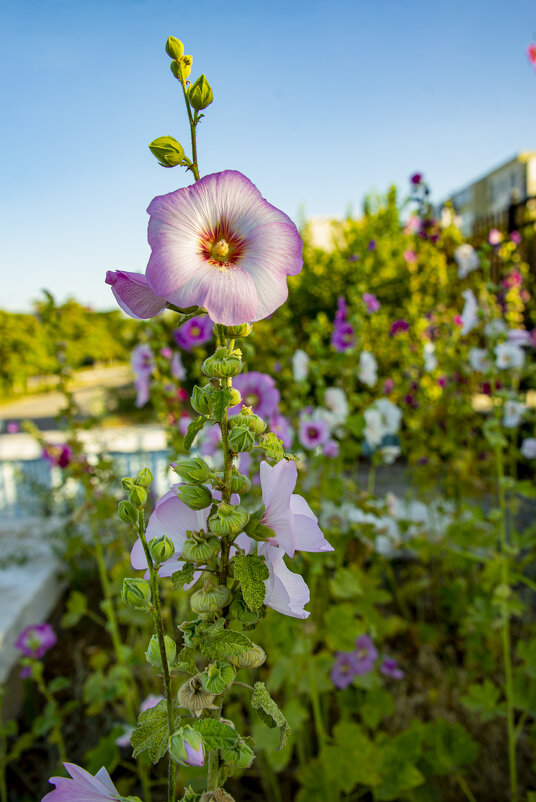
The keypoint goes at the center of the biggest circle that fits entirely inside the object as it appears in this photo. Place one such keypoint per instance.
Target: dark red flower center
(221, 246)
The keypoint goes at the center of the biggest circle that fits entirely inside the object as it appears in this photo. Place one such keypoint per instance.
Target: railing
(519, 216)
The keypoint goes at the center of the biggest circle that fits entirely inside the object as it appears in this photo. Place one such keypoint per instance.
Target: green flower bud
(185, 63)
(200, 399)
(222, 365)
(136, 593)
(217, 677)
(161, 549)
(197, 497)
(236, 397)
(253, 658)
(194, 697)
(210, 598)
(174, 47)
(201, 551)
(240, 483)
(248, 419)
(228, 520)
(193, 470)
(144, 478)
(127, 483)
(200, 94)
(186, 747)
(127, 512)
(167, 150)
(241, 439)
(153, 656)
(239, 757)
(137, 496)
(242, 330)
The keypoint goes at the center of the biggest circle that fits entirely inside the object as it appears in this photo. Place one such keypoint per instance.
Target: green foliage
(151, 735)
(251, 571)
(183, 576)
(262, 702)
(216, 734)
(272, 446)
(225, 644)
(193, 429)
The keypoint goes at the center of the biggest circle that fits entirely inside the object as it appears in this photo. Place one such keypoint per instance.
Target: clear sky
(317, 102)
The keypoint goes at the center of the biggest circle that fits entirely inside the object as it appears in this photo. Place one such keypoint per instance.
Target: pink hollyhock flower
(167, 353)
(83, 787)
(134, 295)
(528, 447)
(331, 449)
(141, 359)
(495, 237)
(515, 236)
(286, 592)
(388, 386)
(413, 225)
(173, 518)
(531, 53)
(390, 668)
(176, 368)
(371, 302)
(398, 325)
(416, 178)
(59, 455)
(258, 391)
(150, 701)
(410, 257)
(342, 309)
(219, 245)
(313, 432)
(196, 331)
(343, 336)
(35, 640)
(287, 514)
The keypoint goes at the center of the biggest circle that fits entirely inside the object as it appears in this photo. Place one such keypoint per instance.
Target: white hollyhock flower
(513, 412)
(478, 359)
(337, 404)
(467, 259)
(470, 312)
(368, 369)
(374, 430)
(300, 365)
(509, 355)
(391, 415)
(430, 358)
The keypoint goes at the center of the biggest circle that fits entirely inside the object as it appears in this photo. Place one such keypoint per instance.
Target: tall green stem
(193, 123)
(56, 729)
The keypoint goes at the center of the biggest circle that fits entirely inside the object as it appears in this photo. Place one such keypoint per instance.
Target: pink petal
(229, 295)
(277, 484)
(134, 295)
(308, 535)
(286, 592)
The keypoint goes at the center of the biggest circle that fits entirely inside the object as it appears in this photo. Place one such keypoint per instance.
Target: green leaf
(272, 446)
(105, 753)
(262, 702)
(58, 684)
(225, 644)
(193, 429)
(216, 734)
(397, 770)
(378, 704)
(251, 571)
(183, 576)
(483, 699)
(451, 747)
(185, 660)
(219, 403)
(76, 609)
(152, 735)
(345, 585)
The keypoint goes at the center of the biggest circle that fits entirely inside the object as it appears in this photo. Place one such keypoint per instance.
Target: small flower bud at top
(136, 593)
(127, 483)
(197, 497)
(153, 656)
(162, 549)
(194, 470)
(200, 94)
(137, 496)
(167, 150)
(127, 512)
(174, 47)
(144, 478)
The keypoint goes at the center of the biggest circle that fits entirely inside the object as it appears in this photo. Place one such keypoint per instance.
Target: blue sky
(317, 102)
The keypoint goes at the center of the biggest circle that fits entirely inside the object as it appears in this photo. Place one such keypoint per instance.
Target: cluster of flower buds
(128, 511)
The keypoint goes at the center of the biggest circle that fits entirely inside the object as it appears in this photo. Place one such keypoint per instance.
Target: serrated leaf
(76, 608)
(193, 429)
(185, 660)
(219, 403)
(183, 576)
(152, 734)
(216, 734)
(251, 571)
(224, 644)
(262, 702)
(272, 446)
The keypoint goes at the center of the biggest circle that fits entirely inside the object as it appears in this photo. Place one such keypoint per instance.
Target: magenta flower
(398, 325)
(531, 53)
(292, 521)
(388, 386)
(173, 518)
(416, 178)
(344, 669)
(13, 427)
(343, 336)
(35, 640)
(196, 331)
(342, 309)
(280, 426)
(390, 668)
(134, 295)
(313, 432)
(167, 353)
(142, 359)
(258, 391)
(371, 302)
(366, 654)
(219, 245)
(58, 454)
(515, 236)
(410, 257)
(83, 787)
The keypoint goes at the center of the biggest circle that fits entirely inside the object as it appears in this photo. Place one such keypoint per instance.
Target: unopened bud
(137, 496)
(174, 47)
(222, 365)
(161, 549)
(153, 655)
(200, 399)
(136, 593)
(210, 599)
(144, 478)
(193, 470)
(200, 94)
(186, 747)
(127, 483)
(127, 512)
(167, 150)
(241, 439)
(248, 418)
(228, 520)
(197, 497)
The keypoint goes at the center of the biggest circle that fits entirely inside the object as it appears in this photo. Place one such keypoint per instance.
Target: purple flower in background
(516, 237)
(258, 391)
(371, 302)
(134, 295)
(12, 427)
(390, 668)
(528, 448)
(366, 654)
(495, 237)
(210, 441)
(398, 325)
(410, 257)
(150, 701)
(141, 359)
(416, 178)
(388, 386)
(313, 432)
(280, 426)
(372, 245)
(219, 245)
(331, 449)
(343, 336)
(354, 257)
(83, 787)
(167, 353)
(342, 309)
(176, 367)
(35, 640)
(59, 454)
(194, 332)
(344, 669)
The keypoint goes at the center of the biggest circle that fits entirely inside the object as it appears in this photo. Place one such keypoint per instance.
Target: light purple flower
(372, 245)
(410, 257)
(286, 592)
(313, 432)
(344, 669)
(528, 448)
(366, 654)
(390, 668)
(219, 245)
(142, 359)
(371, 302)
(167, 353)
(343, 336)
(398, 325)
(150, 701)
(58, 454)
(12, 427)
(280, 426)
(516, 237)
(331, 449)
(194, 332)
(35, 640)
(519, 337)
(173, 518)
(143, 389)
(258, 391)
(176, 368)
(83, 787)
(342, 309)
(194, 756)
(210, 440)
(294, 524)
(134, 295)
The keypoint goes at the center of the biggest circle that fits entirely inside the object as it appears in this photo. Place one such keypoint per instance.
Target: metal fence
(518, 216)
